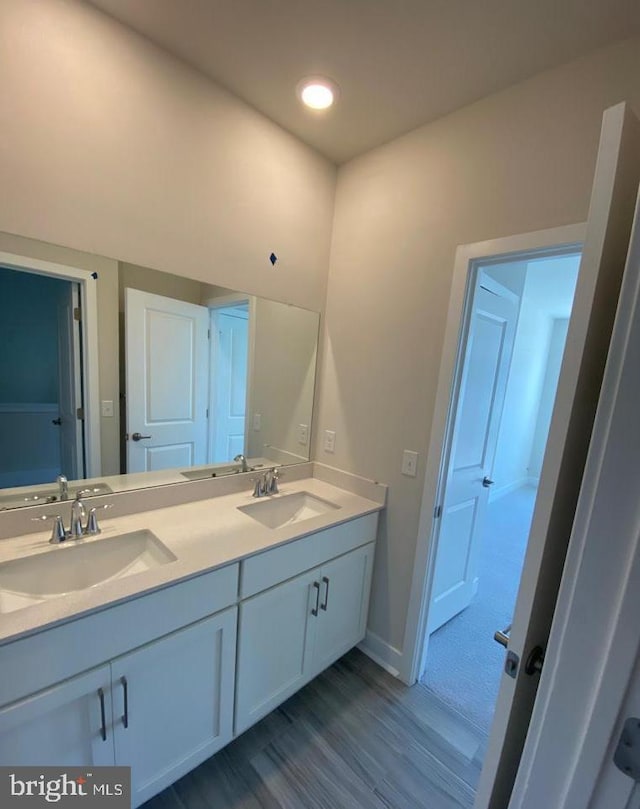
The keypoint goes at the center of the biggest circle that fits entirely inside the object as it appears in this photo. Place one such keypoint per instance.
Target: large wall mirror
(205, 380)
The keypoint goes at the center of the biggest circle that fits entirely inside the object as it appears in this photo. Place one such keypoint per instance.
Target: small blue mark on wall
(273, 258)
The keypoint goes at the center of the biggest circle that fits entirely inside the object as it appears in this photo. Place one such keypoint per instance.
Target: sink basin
(50, 494)
(286, 509)
(72, 567)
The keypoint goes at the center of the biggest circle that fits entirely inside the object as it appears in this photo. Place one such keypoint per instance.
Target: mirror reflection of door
(229, 372)
(166, 382)
(41, 435)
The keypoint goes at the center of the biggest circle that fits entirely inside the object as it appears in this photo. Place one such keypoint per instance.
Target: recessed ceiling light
(317, 93)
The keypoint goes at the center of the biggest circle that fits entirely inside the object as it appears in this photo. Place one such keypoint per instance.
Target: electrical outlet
(257, 422)
(107, 408)
(303, 434)
(409, 463)
(329, 441)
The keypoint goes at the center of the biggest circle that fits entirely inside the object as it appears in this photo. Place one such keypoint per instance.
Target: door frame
(89, 343)
(552, 241)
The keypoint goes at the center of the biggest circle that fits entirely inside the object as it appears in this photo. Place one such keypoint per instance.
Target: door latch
(627, 753)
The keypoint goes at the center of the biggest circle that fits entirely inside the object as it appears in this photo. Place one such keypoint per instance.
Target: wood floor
(354, 738)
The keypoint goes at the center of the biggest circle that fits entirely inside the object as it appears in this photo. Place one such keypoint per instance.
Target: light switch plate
(257, 421)
(107, 408)
(329, 441)
(303, 434)
(409, 463)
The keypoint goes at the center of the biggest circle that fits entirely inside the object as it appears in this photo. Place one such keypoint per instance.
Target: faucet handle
(260, 486)
(92, 523)
(58, 532)
(272, 480)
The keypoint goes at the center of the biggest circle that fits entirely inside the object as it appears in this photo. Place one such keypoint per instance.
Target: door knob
(139, 436)
(57, 421)
(486, 482)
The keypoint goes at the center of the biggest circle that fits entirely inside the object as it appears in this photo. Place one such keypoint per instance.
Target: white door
(166, 382)
(344, 591)
(68, 725)
(229, 382)
(483, 375)
(173, 703)
(69, 383)
(609, 224)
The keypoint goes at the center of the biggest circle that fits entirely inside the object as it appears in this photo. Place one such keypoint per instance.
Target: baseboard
(382, 653)
(501, 491)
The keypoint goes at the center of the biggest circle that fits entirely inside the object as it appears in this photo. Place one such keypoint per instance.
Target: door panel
(484, 373)
(609, 224)
(167, 381)
(69, 384)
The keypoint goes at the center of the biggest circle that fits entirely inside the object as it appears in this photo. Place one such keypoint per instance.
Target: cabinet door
(275, 637)
(68, 725)
(173, 702)
(344, 602)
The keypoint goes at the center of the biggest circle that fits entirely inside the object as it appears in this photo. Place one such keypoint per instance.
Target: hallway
(464, 663)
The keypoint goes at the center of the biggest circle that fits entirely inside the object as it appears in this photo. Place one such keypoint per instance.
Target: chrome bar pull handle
(103, 727)
(125, 688)
(502, 637)
(314, 611)
(326, 595)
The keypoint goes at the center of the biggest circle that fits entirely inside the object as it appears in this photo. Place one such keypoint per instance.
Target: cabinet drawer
(37, 661)
(271, 567)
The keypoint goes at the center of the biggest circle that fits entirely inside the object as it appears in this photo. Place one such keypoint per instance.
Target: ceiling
(398, 63)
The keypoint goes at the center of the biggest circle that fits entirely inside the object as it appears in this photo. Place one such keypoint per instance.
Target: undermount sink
(280, 510)
(50, 494)
(73, 567)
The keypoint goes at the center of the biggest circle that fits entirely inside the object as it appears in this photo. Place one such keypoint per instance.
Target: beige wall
(111, 146)
(517, 161)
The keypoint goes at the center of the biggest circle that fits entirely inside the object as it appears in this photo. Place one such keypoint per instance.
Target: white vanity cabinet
(294, 629)
(161, 708)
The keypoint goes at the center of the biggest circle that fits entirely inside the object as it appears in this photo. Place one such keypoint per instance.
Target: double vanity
(156, 642)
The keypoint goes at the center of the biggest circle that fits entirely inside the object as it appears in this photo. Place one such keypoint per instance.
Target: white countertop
(203, 535)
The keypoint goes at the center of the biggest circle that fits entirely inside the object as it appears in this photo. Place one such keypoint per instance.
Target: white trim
(382, 653)
(541, 242)
(89, 304)
(224, 301)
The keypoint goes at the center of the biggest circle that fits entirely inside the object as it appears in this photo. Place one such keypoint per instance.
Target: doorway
(41, 379)
(511, 346)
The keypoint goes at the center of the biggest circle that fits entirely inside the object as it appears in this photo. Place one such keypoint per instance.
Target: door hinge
(627, 754)
(80, 413)
(437, 512)
(207, 412)
(77, 314)
(208, 334)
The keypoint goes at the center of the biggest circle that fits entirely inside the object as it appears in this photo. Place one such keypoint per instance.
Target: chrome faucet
(76, 529)
(241, 458)
(78, 513)
(267, 483)
(63, 487)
